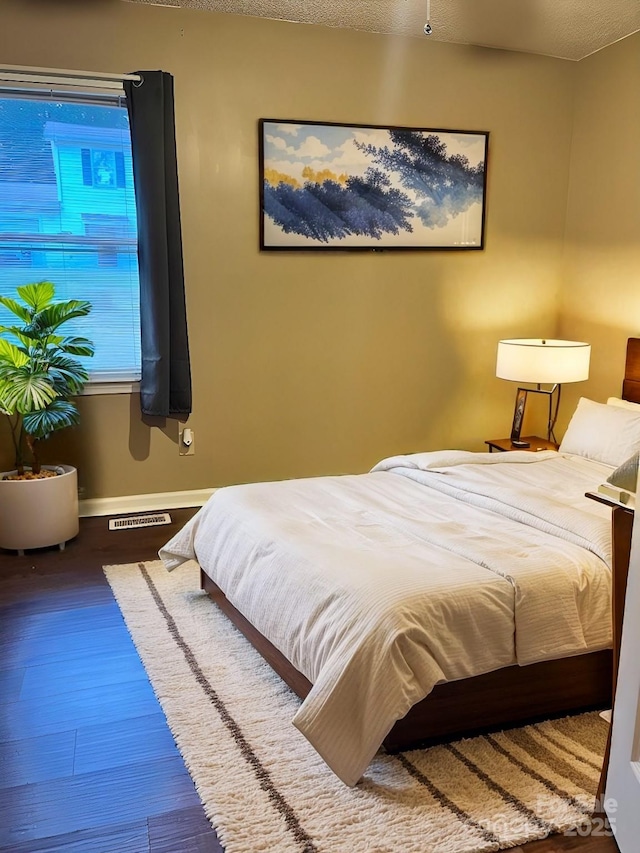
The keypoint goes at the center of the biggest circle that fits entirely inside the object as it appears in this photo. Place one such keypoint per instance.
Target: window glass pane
(68, 215)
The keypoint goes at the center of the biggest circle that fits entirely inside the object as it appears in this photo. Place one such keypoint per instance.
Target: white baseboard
(143, 503)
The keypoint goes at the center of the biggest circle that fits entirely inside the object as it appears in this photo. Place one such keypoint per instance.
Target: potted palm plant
(39, 374)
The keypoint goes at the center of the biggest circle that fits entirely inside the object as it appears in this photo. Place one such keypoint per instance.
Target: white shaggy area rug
(265, 789)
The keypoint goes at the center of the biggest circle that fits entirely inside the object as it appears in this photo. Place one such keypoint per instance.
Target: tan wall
(601, 280)
(315, 363)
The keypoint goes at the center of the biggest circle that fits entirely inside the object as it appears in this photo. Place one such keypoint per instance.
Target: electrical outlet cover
(186, 450)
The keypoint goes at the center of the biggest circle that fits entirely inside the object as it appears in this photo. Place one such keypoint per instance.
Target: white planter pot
(39, 513)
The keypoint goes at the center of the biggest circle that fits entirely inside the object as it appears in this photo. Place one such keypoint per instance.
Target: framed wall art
(345, 186)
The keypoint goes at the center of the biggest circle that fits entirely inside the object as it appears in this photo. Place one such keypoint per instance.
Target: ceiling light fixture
(427, 27)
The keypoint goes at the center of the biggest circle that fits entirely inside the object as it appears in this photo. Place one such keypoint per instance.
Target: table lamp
(541, 362)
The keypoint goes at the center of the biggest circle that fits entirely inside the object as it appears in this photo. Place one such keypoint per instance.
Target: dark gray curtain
(165, 388)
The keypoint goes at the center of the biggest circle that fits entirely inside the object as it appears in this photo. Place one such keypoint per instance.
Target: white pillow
(623, 404)
(608, 434)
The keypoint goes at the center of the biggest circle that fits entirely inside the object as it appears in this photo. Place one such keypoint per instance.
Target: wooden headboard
(631, 384)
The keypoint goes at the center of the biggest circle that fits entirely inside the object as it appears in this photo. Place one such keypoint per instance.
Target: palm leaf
(54, 340)
(28, 340)
(19, 310)
(11, 355)
(67, 374)
(77, 346)
(37, 295)
(5, 407)
(58, 415)
(48, 320)
(26, 391)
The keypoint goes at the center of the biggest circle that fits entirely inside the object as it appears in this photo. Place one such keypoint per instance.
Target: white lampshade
(543, 361)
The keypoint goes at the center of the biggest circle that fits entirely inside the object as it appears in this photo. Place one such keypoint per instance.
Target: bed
(441, 593)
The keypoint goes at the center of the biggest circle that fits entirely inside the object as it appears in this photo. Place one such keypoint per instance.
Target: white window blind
(68, 214)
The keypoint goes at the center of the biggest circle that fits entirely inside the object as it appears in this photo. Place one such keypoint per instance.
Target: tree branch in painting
(366, 206)
(447, 185)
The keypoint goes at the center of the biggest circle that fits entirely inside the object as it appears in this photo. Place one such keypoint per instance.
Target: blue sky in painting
(289, 147)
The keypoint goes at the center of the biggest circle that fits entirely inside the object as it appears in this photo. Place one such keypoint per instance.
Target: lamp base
(521, 402)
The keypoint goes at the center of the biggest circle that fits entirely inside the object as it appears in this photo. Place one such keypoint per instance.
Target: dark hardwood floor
(87, 763)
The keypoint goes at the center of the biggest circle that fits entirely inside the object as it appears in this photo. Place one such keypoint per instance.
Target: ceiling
(569, 29)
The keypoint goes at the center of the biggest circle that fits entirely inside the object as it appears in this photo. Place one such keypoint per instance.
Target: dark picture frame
(518, 413)
(332, 186)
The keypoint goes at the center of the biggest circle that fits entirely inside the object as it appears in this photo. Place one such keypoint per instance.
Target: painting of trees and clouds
(359, 187)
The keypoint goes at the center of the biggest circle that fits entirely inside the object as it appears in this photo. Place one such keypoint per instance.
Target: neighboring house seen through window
(68, 215)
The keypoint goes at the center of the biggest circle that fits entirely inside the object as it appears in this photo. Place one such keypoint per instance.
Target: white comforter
(433, 567)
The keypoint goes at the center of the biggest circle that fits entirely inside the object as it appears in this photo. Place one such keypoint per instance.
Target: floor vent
(132, 521)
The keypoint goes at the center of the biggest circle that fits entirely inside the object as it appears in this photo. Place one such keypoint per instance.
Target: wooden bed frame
(502, 698)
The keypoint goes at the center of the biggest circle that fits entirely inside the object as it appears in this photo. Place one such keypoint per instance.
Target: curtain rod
(29, 74)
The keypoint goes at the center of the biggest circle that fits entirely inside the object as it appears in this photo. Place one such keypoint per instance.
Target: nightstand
(621, 529)
(535, 443)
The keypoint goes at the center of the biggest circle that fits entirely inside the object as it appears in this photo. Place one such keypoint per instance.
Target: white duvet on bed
(433, 567)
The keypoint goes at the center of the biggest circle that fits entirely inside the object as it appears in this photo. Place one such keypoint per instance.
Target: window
(68, 215)
(103, 169)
